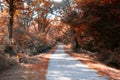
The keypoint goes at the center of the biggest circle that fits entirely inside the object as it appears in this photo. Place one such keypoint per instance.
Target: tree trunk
(11, 19)
(76, 45)
(38, 22)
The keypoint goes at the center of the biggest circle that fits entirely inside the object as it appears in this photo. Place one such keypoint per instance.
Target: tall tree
(11, 13)
(12, 5)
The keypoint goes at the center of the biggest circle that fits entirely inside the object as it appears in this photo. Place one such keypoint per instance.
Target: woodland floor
(114, 74)
(33, 69)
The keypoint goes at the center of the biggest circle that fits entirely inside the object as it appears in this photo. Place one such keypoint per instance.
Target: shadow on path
(64, 67)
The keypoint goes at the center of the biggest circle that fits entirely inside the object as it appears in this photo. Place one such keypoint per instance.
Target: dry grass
(34, 68)
(94, 64)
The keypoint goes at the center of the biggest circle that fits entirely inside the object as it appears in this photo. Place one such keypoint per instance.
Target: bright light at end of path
(57, 0)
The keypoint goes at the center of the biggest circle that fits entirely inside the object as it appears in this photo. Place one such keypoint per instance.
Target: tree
(12, 5)
(102, 17)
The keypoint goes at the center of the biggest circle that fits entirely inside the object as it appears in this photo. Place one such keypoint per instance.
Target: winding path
(64, 67)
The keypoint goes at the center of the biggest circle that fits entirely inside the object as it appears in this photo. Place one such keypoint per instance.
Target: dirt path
(64, 67)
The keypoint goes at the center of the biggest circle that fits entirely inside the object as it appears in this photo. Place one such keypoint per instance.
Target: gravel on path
(64, 67)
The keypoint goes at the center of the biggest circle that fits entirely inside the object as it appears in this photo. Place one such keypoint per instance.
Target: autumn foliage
(24, 28)
(101, 17)
(92, 25)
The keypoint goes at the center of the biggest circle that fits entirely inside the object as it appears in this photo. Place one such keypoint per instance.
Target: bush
(5, 62)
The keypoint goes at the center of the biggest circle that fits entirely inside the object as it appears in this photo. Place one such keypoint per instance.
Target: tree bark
(11, 19)
(76, 45)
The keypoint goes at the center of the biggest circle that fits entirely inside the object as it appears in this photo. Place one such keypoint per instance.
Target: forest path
(64, 67)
